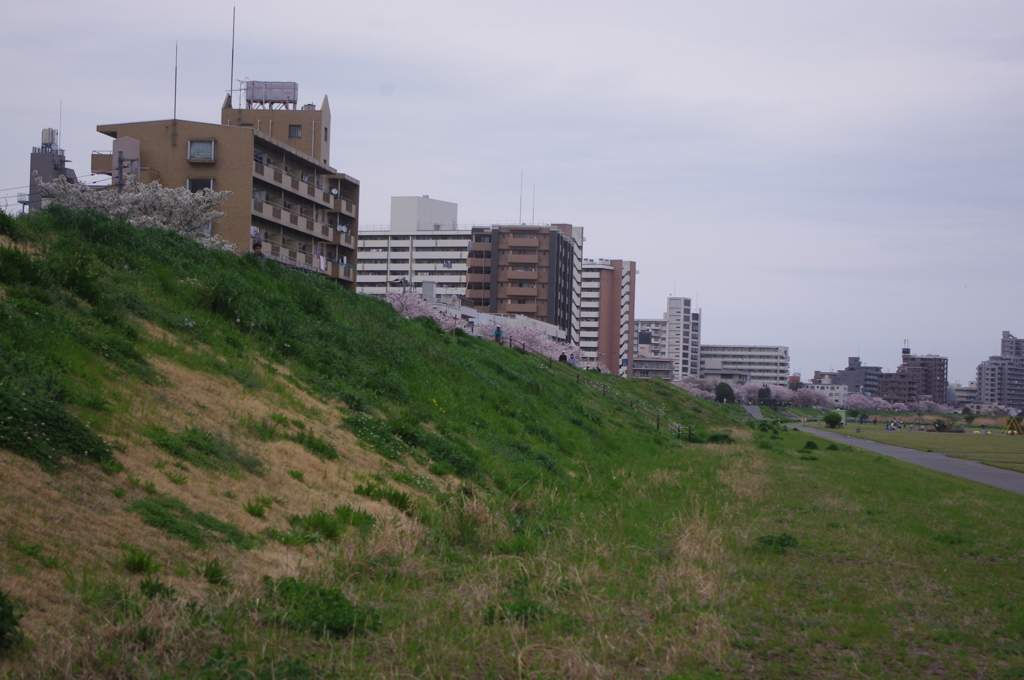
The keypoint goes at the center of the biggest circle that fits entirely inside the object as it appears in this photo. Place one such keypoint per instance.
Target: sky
(840, 178)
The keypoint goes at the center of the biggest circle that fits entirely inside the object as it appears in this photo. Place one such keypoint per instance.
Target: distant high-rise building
(606, 314)
(535, 271)
(47, 164)
(422, 243)
(1001, 379)
(675, 336)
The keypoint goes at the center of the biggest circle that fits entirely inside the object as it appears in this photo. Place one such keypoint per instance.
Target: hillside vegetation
(216, 467)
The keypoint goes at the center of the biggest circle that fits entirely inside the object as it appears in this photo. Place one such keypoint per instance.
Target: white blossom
(148, 205)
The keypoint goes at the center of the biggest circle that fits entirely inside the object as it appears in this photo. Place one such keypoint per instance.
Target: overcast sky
(834, 177)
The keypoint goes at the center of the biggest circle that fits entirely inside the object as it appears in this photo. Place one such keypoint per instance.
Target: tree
(191, 214)
(723, 393)
(698, 387)
(808, 398)
(832, 419)
(747, 392)
(863, 402)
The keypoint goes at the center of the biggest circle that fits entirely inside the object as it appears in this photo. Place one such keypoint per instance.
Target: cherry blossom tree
(863, 402)
(409, 304)
(747, 392)
(188, 213)
(698, 387)
(808, 398)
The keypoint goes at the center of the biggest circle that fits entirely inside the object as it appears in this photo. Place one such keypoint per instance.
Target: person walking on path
(499, 335)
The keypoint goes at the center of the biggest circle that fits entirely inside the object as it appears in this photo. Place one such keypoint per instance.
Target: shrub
(810, 446)
(324, 611)
(720, 437)
(10, 623)
(832, 419)
(297, 474)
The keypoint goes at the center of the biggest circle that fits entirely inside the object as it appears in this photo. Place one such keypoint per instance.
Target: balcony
(514, 275)
(102, 162)
(532, 258)
(519, 308)
(520, 292)
(277, 177)
(288, 218)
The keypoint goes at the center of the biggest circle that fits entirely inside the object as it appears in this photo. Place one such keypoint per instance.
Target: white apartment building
(606, 315)
(422, 243)
(836, 393)
(675, 336)
(764, 364)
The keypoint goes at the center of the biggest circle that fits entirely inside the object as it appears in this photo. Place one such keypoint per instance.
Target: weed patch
(10, 623)
(196, 528)
(383, 492)
(317, 610)
(204, 449)
(152, 588)
(776, 544)
(39, 429)
(134, 560)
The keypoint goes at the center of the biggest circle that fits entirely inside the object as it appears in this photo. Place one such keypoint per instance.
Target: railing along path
(581, 379)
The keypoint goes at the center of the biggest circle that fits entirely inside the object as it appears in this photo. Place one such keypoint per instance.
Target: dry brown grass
(746, 474)
(78, 519)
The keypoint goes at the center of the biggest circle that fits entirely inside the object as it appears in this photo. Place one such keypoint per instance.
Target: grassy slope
(578, 542)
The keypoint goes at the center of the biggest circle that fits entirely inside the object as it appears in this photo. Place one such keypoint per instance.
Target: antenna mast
(520, 197)
(231, 83)
(175, 80)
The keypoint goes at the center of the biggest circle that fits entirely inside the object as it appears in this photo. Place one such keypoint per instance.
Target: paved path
(968, 469)
(754, 412)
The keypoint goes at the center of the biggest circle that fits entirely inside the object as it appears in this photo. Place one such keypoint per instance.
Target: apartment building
(607, 315)
(675, 336)
(1000, 379)
(858, 378)
(764, 364)
(535, 271)
(422, 243)
(933, 374)
(274, 158)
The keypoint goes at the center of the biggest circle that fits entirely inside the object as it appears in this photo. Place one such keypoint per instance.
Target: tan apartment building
(273, 157)
(535, 271)
(607, 315)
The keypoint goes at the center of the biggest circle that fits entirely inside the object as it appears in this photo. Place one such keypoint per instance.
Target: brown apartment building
(921, 377)
(275, 159)
(607, 315)
(535, 271)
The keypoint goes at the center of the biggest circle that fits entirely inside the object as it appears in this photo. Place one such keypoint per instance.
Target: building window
(195, 185)
(326, 136)
(200, 150)
(294, 131)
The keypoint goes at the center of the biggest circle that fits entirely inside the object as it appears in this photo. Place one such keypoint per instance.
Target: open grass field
(940, 443)
(216, 468)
